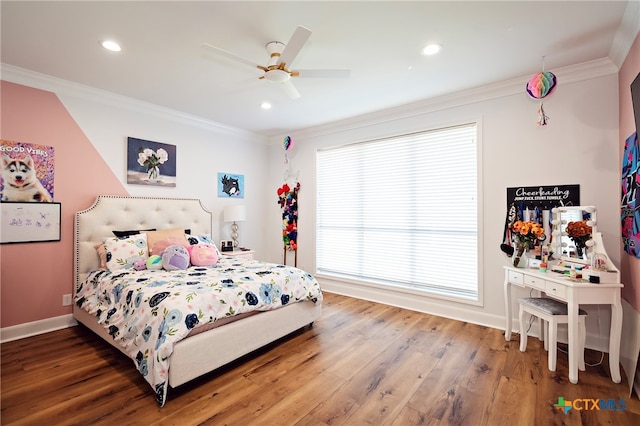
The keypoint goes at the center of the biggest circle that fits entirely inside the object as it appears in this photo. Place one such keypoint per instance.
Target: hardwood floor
(361, 363)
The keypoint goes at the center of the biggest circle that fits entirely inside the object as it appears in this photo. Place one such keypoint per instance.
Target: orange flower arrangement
(580, 233)
(526, 233)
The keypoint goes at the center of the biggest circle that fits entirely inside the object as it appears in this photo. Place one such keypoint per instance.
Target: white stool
(552, 312)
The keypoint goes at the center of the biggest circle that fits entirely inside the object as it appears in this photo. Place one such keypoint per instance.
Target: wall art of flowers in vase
(526, 236)
(580, 233)
(151, 163)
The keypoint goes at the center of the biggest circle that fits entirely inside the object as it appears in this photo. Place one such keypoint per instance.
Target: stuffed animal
(203, 254)
(175, 257)
(154, 262)
(140, 264)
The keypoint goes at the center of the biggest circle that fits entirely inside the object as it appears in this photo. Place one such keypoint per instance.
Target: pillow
(162, 245)
(198, 239)
(102, 254)
(122, 234)
(203, 254)
(201, 239)
(154, 236)
(124, 252)
(174, 258)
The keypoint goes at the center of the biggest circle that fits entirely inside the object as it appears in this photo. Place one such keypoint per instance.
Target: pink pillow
(160, 246)
(203, 254)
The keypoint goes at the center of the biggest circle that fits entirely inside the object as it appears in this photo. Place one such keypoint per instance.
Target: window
(401, 212)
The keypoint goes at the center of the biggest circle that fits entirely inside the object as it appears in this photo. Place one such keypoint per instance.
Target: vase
(153, 173)
(520, 259)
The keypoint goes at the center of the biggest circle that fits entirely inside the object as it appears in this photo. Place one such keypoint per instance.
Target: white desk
(573, 293)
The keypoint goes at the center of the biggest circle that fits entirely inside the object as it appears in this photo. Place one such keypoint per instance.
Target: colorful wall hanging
(630, 205)
(287, 144)
(151, 163)
(27, 172)
(541, 85)
(288, 200)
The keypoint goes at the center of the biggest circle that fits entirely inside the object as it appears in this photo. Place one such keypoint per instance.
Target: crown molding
(569, 74)
(62, 87)
(627, 32)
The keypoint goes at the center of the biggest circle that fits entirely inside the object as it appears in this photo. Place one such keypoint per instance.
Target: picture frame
(28, 222)
(230, 185)
(151, 163)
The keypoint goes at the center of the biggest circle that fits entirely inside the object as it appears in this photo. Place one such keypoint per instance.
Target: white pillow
(124, 252)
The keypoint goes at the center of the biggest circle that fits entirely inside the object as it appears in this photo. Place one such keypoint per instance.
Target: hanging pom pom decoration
(287, 144)
(539, 86)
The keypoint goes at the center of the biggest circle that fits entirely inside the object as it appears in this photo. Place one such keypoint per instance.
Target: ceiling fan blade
(230, 55)
(321, 73)
(290, 89)
(291, 50)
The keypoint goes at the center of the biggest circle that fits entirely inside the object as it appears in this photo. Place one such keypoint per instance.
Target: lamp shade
(235, 213)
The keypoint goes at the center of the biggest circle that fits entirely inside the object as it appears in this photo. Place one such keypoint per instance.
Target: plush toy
(203, 254)
(175, 257)
(154, 262)
(140, 264)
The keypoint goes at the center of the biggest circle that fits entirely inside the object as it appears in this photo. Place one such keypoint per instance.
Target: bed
(181, 355)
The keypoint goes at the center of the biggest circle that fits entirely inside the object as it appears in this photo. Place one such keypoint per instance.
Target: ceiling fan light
(265, 105)
(431, 49)
(277, 76)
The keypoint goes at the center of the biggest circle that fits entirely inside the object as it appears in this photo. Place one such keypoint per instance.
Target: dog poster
(27, 172)
(230, 185)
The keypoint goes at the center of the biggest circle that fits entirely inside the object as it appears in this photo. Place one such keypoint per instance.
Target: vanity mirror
(576, 240)
(574, 231)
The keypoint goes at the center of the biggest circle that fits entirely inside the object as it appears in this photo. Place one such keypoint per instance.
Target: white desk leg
(507, 305)
(574, 358)
(614, 338)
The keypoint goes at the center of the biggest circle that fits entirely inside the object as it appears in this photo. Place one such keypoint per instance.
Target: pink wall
(33, 277)
(629, 265)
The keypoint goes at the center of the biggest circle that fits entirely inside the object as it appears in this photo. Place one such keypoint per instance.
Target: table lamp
(234, 214)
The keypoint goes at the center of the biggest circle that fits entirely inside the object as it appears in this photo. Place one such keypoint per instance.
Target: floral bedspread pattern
(147, 312)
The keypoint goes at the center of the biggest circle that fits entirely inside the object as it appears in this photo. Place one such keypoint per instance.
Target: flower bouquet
(151, 160)
(580, 233)
(526, 235)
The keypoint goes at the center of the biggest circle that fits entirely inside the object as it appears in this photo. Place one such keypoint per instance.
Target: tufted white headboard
(115, 212)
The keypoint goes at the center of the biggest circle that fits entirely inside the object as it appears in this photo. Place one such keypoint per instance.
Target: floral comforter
(147, 312)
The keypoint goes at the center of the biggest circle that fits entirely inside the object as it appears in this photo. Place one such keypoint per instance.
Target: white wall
(578, 146)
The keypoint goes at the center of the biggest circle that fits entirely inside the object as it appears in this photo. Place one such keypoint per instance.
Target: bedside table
(240, 254)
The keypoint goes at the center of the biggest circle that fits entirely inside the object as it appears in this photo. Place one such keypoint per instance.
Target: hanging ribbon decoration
(287, 144)
(539, 86)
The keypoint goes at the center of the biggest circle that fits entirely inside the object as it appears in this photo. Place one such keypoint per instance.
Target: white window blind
(401, 211)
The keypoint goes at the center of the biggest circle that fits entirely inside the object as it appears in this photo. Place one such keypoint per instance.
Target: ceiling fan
(280, 58)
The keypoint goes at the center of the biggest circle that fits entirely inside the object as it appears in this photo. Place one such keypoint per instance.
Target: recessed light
(111, 45)
(265, 105)
(431, 49)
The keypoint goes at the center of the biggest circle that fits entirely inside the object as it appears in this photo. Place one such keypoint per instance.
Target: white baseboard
(20, 331)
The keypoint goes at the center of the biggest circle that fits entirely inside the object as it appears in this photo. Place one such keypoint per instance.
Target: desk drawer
(556, 290)
(516, 278)
(535, 282)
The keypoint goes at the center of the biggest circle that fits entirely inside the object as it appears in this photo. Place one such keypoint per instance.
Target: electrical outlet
(66, 300)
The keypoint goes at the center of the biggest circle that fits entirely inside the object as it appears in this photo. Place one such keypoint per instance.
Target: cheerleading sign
(541, 85)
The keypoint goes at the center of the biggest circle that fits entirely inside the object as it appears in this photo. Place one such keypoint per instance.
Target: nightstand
(240, 254)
